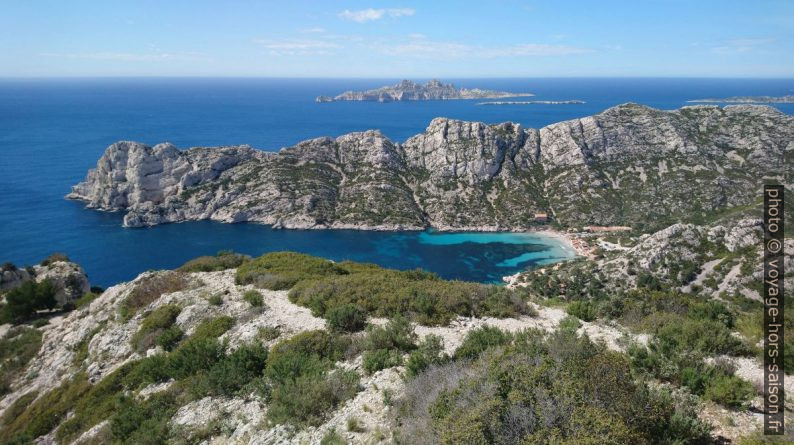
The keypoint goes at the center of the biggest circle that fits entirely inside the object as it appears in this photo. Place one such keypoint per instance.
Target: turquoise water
(554, 249)
(52, 131)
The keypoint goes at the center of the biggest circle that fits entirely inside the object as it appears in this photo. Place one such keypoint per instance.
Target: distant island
(533, 102)
(409, 90)
(748, 100)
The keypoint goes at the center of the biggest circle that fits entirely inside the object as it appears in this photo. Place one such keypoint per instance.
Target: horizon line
(88, 77)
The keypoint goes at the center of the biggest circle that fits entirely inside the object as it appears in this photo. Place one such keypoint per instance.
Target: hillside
(288, 348)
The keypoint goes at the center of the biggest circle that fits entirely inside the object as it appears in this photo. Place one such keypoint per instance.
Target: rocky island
(533, 102)
(408, 90)
(630, 165)
(748, 100)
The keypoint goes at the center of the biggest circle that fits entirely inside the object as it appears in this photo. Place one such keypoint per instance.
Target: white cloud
(370, 14)
(315, 30)
(297, 47)
(401, 12)
(740, 45)
(419, 47)
(130, 57)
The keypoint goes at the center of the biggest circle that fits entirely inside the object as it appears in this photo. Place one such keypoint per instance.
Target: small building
(541, 217)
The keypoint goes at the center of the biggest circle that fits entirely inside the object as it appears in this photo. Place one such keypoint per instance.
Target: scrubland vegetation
(324, 287)
(23, 302)
(536, 388)
(497, 387)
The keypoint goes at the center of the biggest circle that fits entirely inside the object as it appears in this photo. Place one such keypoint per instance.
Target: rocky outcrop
(69, 278)
(629, 165)
(749, 100)
(408, 90)
(719, 260)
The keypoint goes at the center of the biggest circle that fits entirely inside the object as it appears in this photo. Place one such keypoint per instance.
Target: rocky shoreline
(534, 102)
(748, 100)
(461, 176)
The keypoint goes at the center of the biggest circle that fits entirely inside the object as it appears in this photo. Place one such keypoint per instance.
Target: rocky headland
(748, 100)
(408, 90)
(533, 102)
(630, 165)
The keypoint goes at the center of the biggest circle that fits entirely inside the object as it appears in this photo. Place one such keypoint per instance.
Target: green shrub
(584, 310)
(712, 310)
(17, 408)
(17, 348)
(152, 369)
(23, 301)
(309, 352)
(194, 355)
(254, 298)
(480, 339)
(215, 300)
(288, 367)
(149, 289)
(95, 405)
(153, 326)
(54, 258)
(144, 422)
(81, 349)
(332, 438)
(396, 334)
(430, 352)
(214, 327)
(268, 333)
(729, 390)
(86, 299)
(570, 323)
(169, 338)
(354, 425)
(346, 318)
(307, 399)
(377, 359)
(237, 369)
(560, 388)
(222, 261)
(281, 270)
(417, 295)
(45, 413)
(678, 334)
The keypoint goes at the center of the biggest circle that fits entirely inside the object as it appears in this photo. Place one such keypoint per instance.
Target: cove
(111, 254)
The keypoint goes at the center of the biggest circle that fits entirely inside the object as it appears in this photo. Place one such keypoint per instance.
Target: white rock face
(460, 174)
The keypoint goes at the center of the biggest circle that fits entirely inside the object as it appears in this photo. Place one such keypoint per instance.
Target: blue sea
(52, 131)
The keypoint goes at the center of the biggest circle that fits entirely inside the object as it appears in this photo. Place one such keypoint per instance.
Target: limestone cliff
(629, 165)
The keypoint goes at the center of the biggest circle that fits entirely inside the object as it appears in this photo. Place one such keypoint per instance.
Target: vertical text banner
(774, 396)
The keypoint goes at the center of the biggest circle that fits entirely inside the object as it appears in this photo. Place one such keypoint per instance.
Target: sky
(395, 39)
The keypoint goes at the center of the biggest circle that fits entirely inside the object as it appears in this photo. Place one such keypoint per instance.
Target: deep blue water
(52, 131)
